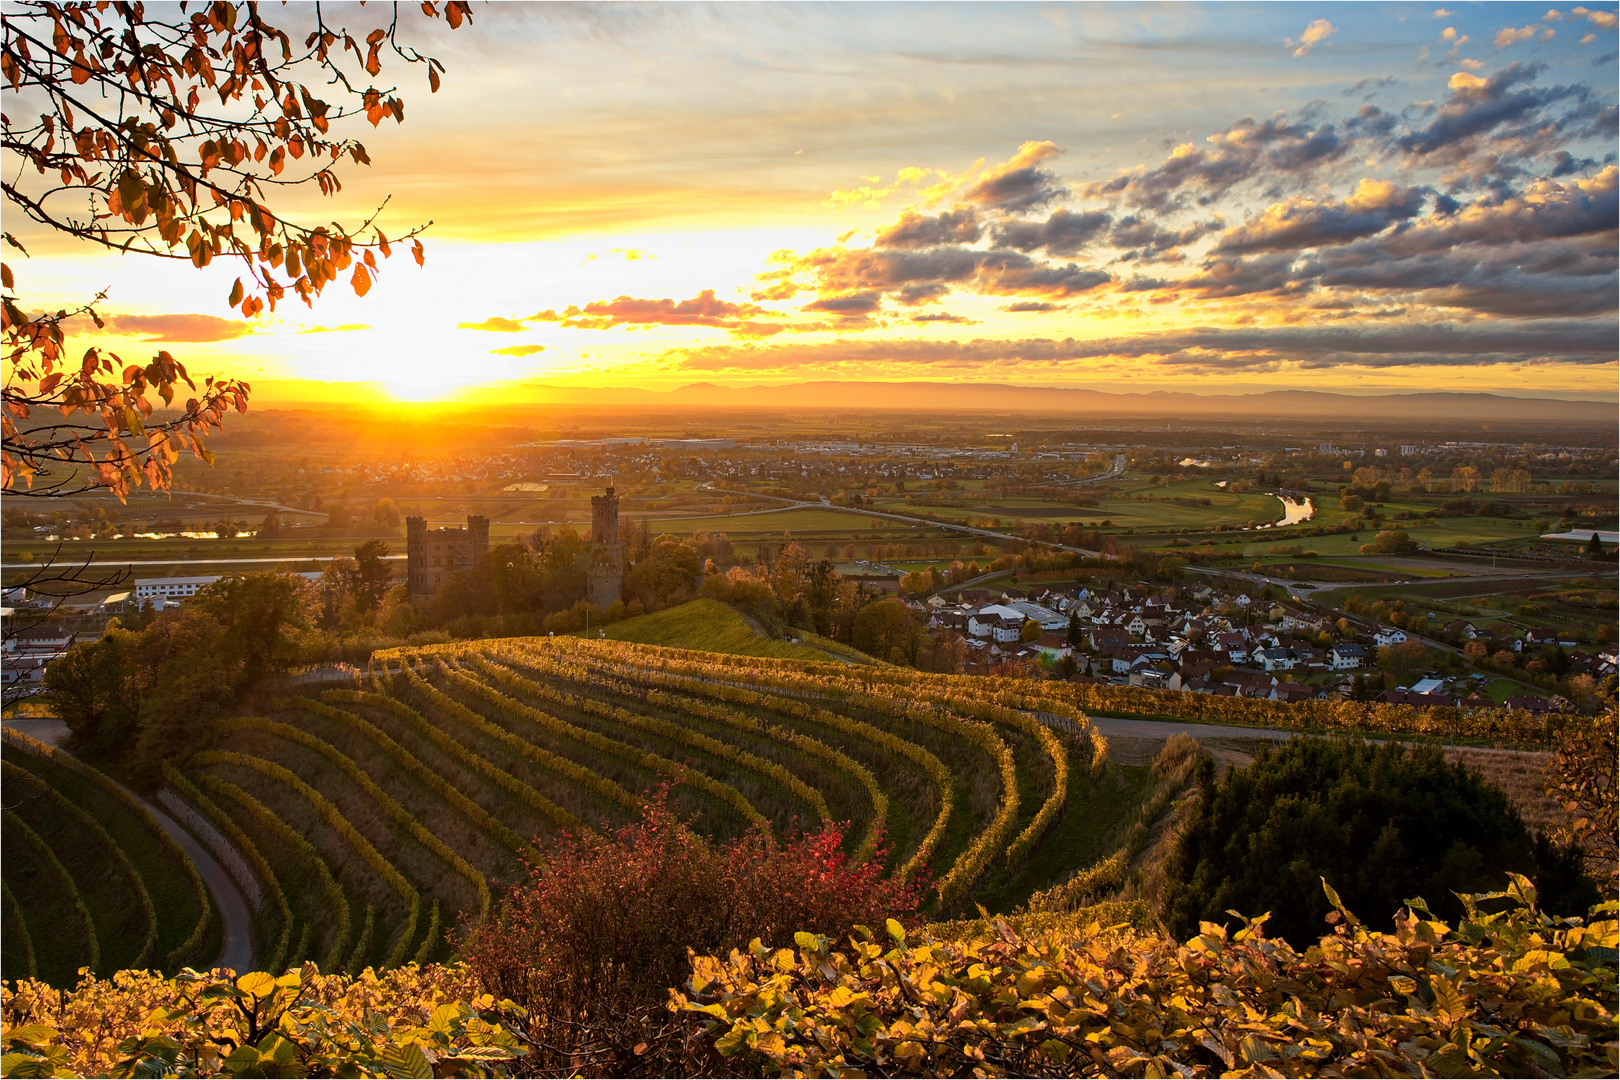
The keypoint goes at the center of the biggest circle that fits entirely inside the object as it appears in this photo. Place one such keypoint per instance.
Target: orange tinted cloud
(189, 327)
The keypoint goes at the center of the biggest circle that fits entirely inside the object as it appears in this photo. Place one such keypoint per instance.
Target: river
(1295, 510)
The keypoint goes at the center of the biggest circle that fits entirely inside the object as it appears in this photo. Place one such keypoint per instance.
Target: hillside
(372, 818)
(710, 626)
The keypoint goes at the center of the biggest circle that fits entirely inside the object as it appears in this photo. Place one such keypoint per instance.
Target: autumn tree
(174, 133)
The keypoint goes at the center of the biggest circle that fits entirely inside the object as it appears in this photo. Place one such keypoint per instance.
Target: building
(604, 558)
(1388, 635)
(171, 588)
(430, 554)
(1346, 657)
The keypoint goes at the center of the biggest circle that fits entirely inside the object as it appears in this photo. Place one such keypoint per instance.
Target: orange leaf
(361, 280)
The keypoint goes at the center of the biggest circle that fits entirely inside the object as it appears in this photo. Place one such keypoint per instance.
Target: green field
(711, 626)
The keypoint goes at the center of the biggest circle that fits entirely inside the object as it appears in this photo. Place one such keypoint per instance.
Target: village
(1203, 638)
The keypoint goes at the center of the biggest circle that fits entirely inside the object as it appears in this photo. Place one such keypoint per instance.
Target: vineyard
(367, 819)
(91, 879)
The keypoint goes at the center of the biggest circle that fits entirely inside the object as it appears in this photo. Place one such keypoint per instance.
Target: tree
(1582, 780)
(128, 152)
(371, 575)
(1379, 823)
(1594, 547)
(885, 629)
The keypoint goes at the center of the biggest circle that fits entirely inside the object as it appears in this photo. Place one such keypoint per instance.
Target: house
(1127, 657)
(1346, 657)
(1528, 702)
(1462, 628)
(1235, 645)
(47, 637)
(1538, 637)
(1275, 659)
(1108, 638)
(1054, 646)
(1289, 691)
(983, 622)
(1388, 635)
(1156, 678)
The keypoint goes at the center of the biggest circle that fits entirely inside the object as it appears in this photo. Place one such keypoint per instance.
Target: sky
(1204, 197)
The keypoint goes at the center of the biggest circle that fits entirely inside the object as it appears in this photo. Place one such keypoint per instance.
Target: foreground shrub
(407, 1022)
(589, 946)
(1510, 994)
(1379, 822)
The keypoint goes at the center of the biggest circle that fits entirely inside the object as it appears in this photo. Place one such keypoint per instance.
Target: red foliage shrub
(592, 942)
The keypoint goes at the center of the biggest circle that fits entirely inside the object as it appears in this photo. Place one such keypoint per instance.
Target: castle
(604, 558)
(430, 554)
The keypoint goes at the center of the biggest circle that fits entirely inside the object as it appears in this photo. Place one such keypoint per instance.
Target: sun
(422, 386)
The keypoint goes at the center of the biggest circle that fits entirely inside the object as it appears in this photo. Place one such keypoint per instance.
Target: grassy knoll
(711, 626)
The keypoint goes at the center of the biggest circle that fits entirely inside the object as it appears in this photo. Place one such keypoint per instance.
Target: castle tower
(604, 565)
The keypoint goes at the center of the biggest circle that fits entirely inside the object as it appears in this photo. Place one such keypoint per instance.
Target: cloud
(1304, 347)
(870, 196)
(1369, 83)
(518, 350)
(1064, 233)
(1034, 305)
(854, 304)
(704, 309)
(1275, 149)
(1019, 184)
(1306, 223)
(345, 328)
(496, 324)
(944, 317)
(1316, 32)
(191, 327)
(1604, 20)
(1509, 36)
(1478, 106)
(914, 230)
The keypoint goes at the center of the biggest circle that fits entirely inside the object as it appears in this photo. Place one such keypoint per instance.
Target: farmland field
(380, 815)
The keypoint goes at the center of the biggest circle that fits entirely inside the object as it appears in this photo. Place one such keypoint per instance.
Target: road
(236, 948)
(113, 563)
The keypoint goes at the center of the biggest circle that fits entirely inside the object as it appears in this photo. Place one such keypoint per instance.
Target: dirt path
(236, 949)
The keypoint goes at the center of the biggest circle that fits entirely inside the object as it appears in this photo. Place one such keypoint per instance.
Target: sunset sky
(1215, 198)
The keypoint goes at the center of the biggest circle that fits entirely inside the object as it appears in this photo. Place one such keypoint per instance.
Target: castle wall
(433, 554)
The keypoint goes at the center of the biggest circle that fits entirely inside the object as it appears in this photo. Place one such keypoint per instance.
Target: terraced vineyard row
(91, 880)
(378, 816)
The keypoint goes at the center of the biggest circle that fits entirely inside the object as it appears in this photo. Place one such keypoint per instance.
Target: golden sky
(1128, 197)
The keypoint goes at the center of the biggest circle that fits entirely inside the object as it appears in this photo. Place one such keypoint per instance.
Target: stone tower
(430, 554)
(604, 559)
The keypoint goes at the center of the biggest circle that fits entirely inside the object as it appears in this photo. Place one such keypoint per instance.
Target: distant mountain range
(1000, 397)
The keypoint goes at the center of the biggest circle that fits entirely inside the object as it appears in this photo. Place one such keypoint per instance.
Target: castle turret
(604, 560)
